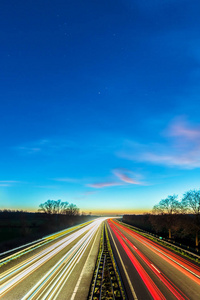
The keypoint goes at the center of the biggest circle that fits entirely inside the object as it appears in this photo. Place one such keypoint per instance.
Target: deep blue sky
(99, 102)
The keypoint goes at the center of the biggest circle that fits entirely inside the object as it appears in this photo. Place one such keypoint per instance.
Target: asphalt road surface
(151, 271)
(59, 267)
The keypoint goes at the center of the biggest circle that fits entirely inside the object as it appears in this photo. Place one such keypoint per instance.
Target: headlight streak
(174, 289)
(61, 280)
(84, 268)
(38, 243)
(52, 250)
(72, 257)
(180, 264)
(47, 280)
(34, 258)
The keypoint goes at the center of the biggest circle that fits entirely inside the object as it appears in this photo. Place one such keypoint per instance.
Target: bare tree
(72, 210)
(46, 207)
(53, 207)
(169, 206)
(191, 203)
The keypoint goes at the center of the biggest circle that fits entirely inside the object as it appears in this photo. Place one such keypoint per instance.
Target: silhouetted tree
(191, 204)
(53, 207)
(72, 210)
(169, 207)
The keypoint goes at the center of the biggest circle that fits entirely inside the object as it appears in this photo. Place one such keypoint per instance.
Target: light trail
(124, 268)
(83, 270)
(189, 269)
(38, 243)
(52, 281)
(174, 290)
(53, 250)
(152, 288)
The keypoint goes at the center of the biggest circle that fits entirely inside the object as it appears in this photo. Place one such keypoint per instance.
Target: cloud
(123, 176)
(8, 182)
(179, 148)
(104, 184)
(180, 128)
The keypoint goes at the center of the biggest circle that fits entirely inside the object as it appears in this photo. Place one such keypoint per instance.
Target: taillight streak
(153, 289)
(163, 278)
(180, 264)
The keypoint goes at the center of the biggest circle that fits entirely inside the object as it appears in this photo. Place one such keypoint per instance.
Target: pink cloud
(180, 148)
(124, 177)
(182, 129)
(104, 184)
(188, 161)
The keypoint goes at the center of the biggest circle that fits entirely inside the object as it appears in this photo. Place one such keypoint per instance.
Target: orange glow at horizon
(106, 211)
(116, 211)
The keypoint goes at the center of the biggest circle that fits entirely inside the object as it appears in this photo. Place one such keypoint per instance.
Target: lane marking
(81, 276)
(124, 269)
(155, 268)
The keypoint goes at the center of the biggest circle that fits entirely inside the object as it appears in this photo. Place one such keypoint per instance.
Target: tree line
(58, 207)
(20, 227)
(181, 218)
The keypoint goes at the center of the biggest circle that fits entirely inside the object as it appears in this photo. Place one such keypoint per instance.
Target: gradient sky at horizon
(99, 102)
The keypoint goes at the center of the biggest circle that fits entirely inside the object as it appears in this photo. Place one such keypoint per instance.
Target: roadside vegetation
(20, 227)
(177, 220)
(178, 248)
(106, 283)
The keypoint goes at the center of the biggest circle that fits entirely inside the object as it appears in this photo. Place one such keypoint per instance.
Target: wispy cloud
(180, 147)
(125, 176)
(8, 182)
(180, 128)
(104, 184)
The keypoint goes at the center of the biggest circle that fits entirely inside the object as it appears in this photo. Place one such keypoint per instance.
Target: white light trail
(52, 282)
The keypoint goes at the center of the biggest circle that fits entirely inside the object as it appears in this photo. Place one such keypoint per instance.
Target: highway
(151, 271)
(57, 267)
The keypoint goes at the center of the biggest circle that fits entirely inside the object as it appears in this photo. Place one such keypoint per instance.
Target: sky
(99, 103)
